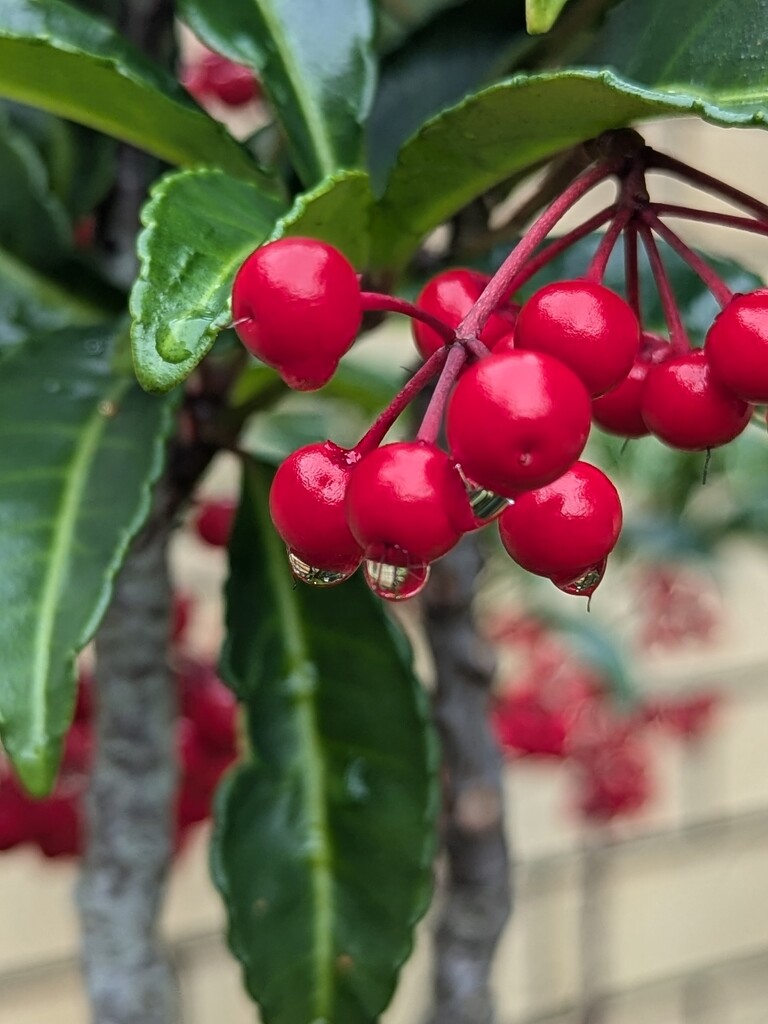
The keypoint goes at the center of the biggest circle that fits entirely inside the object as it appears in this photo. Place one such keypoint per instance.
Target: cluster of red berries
(206, 748)
(559, 708)
(518, 388)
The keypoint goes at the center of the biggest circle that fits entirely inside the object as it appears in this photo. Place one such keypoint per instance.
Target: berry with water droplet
(586, 326)
(583, 585)
(517, 420)
(296, 306)
(566, 529)
(395, 582)
(449, 297)
(737, 346)
(687, 407)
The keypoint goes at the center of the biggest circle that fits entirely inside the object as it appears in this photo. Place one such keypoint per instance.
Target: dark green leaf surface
(63, 60)
(199, 227)
(79, 449)
(541, 15)
(508, 127)
(315, 63)
(323, 844)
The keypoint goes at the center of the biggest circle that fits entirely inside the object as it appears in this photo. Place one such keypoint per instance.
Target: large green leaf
(63, 60)
(508, 127)
(323, 843)
(79, 450)
(541, 15)
(315, 63)
(199, 227)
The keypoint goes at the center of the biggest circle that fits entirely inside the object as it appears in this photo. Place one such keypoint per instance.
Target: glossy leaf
(541, 15)
(63, 60)
(79, 450)
(510, 126)
(323, 843)
(315, 65)
(199, 227)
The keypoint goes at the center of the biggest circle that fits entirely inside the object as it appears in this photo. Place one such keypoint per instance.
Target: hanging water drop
(486, 505)
(585, 584)
(395, 582)
(316, 576)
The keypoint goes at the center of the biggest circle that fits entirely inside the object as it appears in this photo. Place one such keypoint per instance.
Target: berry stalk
(708, 183)
(631, 273)
(596, 269)
(728, 220)
(433, 417)
(710, 277)
(677, 332)
(375, 301)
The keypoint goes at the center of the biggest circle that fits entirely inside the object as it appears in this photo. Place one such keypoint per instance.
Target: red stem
(710, 277)
(631, 275)
(728, 220)
(499, 285)
(383, 422)
(544, 256)
(433, 417)
(707, 182)
(678, 335)
(392, 304)
(596, 269)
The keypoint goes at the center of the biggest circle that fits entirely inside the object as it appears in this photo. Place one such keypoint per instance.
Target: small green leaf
(79, 451)
(323, 843)
(508, 127)
(541, 15)
(63, 60)
(199, 227)
(316, 66)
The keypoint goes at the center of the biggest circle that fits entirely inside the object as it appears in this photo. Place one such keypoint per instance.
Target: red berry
(524, 724)
(306, 503)
(213, 522)
(214, 76)
(615, 780)
(566, 527)
(517, 420)
(620, 410)
(685, 405)
(586, 326)
(406, 504)
(296, 306)
(207, 702)
(450, 296)
(737, 346)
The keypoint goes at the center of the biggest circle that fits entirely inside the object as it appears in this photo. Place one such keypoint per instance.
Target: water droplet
(183, 337)
(94, 347)
(317, 577)
(486, 505)
(585, 584)
(53, 387)
(354, 781)
(107, 408)
(395, 582)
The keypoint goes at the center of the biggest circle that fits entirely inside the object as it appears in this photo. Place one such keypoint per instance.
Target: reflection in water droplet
(486, 505)
(395, 582)
(585, 584)
(183, 338)
(314, 576)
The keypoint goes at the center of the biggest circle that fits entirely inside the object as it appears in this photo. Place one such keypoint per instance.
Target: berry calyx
(586, 326)
(517, 420)
(296, 306)
(406, 504)
(213, 522)
(566, 528)
(620, 410)
(306, 503)
(687, 407)
(737, 346)
(449, 297)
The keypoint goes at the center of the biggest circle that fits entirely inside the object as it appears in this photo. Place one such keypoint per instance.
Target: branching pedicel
(517, 387)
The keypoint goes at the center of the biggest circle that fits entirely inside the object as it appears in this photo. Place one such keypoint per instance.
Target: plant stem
(130, 800)
(707, 182)
(383, 422)
(392, 304)
(728, 220)
(678, 335)
(478, 896)
(631, 274)
(596, 270)
(710, 277)
(499, 285)
(433, 417)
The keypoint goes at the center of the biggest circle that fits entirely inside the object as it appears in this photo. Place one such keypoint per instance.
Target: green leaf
(63, 60)
(79, 450)
(316, 67)
(541, 15)
(199, 227)
(510, 126)
(324, 842)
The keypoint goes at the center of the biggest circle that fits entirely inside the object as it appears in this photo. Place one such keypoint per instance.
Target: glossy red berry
(620, 410)
(213, 522)
(449, 297)
(686, 406)
(307, 505)
(586, 326)
(296, 306)
(517, 420)
(406, 504)
(565, 528)
(737, 346)
(216, 77)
